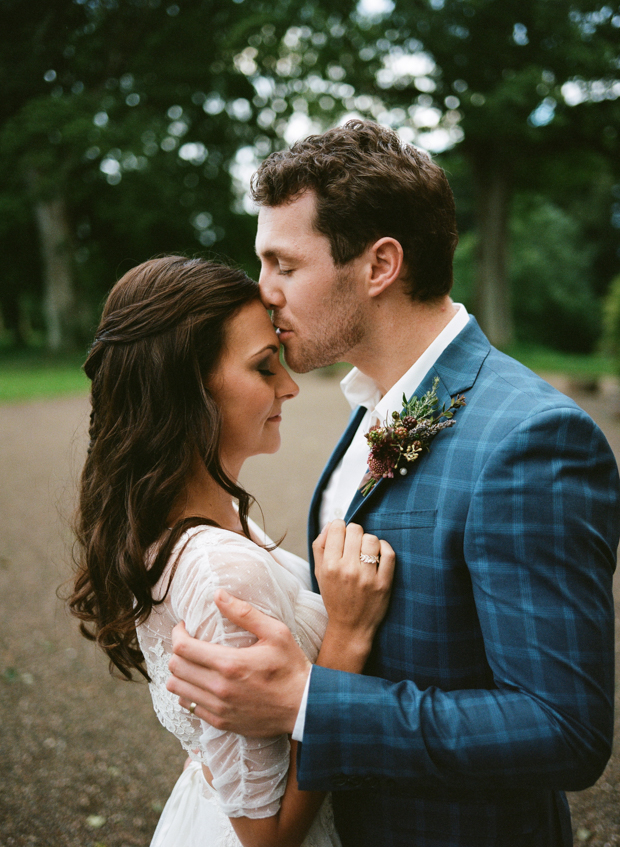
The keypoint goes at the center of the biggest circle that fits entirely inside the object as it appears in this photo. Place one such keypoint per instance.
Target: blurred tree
(26, 39)
(586, 185)
(611, 315)
(120, 126)
(550, 272)
(100, 91)
(137, 122)
(524, 93)
(551, 277)
(517, 84)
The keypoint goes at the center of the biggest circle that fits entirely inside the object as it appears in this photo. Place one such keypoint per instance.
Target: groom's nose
(270, 292)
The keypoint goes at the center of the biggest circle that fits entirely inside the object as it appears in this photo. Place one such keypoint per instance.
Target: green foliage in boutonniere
(409, 434)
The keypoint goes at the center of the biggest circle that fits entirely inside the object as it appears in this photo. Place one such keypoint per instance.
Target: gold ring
(369, 560)
(192, 708)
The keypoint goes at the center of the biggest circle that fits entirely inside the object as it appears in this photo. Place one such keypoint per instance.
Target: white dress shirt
(361, 390)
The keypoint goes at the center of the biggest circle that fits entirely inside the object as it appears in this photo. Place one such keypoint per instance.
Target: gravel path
(84, 761)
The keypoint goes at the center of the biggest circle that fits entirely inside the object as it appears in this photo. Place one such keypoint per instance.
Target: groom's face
(317, 305)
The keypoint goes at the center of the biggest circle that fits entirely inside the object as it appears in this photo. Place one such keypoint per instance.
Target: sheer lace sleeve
(249, 774)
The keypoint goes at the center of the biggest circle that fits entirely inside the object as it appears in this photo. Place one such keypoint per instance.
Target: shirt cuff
(298, 729)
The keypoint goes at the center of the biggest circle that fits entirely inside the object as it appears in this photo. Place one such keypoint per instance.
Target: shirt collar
(361, 390)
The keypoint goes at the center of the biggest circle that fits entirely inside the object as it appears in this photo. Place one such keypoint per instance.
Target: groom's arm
(257, 691)
(540, 546)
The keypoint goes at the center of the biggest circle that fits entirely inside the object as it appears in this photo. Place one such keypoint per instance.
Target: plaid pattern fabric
(489, 690)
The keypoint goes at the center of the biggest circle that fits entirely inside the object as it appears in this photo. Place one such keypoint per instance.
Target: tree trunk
(59, 297)
(12, 319)
(492, 295)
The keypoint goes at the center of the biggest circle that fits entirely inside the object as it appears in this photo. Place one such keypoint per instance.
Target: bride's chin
(274, 446)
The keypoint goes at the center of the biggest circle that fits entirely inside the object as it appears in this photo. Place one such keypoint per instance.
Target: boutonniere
(409, 434)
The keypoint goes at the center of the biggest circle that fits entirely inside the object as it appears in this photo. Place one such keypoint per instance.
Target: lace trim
(166, 705)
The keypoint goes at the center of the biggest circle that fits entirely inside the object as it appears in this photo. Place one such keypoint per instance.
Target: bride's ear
(386, 261)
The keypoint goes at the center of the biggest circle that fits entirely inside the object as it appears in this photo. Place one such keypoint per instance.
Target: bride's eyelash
(265, 370)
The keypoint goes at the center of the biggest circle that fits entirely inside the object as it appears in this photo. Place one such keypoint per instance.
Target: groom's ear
(385, 265)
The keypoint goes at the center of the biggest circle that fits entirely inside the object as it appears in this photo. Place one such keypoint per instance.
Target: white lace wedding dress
(249, 774)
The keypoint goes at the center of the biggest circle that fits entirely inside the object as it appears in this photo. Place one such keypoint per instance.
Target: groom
(489, 690)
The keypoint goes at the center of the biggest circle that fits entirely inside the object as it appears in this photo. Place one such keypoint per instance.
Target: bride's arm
(290, 825)
(356, 596)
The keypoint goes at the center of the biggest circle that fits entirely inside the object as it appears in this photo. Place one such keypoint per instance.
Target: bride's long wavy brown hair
(161, 336)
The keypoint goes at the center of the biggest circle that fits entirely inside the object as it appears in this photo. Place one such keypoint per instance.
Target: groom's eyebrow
(274, 253)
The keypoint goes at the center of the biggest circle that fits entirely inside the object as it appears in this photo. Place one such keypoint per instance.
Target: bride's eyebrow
(272, 347)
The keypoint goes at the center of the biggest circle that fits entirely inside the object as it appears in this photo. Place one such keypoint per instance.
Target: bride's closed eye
(265, 370)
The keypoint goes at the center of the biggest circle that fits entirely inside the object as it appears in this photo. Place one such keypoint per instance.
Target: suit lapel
(457, 369)
(459, 364)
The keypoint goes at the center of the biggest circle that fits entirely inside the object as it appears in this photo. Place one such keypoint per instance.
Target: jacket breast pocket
(380, 521)
(413, 535)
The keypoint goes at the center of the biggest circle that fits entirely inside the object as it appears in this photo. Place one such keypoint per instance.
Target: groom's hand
(253, 691)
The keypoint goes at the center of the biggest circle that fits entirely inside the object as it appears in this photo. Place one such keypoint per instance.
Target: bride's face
(250, 385)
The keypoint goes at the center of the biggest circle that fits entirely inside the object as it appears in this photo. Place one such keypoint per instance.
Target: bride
(187, 383)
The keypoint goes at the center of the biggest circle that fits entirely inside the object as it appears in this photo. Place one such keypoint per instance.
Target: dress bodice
(249, 774)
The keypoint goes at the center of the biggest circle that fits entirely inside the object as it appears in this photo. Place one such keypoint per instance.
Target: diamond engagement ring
(369, 560)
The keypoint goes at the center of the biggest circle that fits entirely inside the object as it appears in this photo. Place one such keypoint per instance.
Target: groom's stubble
(327, 334)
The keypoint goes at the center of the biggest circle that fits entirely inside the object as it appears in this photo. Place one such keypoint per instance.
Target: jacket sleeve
(540, 543)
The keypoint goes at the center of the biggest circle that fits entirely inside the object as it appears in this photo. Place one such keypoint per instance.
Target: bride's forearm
(346, 649)
(289, 827)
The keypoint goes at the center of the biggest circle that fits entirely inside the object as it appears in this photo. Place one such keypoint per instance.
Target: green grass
(544, 360)
(539, 359)
(32, 375)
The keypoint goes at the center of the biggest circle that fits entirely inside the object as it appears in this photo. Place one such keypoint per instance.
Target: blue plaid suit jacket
(489, 690)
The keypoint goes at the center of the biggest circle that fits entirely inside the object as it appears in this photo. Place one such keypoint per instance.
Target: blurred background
(130, 128)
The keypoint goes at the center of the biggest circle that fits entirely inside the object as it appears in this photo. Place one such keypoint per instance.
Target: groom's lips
(283, 334)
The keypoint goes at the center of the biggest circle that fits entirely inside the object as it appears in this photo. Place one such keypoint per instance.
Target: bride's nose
(287, 387)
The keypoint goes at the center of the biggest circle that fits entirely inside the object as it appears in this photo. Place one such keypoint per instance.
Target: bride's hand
(355, 590)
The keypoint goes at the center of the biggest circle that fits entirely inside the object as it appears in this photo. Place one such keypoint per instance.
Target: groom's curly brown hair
(368, 185)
